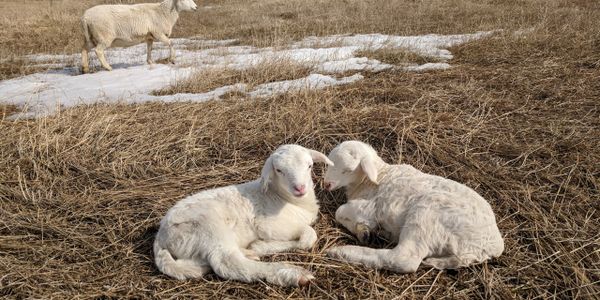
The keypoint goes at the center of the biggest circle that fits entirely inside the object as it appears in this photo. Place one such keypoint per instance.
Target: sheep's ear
(319, 157)
(265, 175)
(368, 166)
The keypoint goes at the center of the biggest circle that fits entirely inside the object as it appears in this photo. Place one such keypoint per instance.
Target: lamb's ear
(368, 166)
(265, 175)
(319, 157)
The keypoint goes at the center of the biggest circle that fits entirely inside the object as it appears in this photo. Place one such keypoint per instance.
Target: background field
(517, 118)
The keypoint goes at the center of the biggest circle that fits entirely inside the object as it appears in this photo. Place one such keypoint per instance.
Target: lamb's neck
(365, 188)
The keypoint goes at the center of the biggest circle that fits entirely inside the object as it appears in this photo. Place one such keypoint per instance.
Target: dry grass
(517, 118)
(263, 72)
(397, 56)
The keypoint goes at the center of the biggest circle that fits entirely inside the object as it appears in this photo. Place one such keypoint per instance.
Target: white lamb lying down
(434, 220)
(226, 229)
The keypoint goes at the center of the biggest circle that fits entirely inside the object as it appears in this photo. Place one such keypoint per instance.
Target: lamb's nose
(300, 188)
(328, 185)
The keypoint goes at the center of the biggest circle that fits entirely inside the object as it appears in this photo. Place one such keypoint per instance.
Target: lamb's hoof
(305, 280)
(251, 254)
(333, 252)
(338, 252)
(150, 62)
(363, 233)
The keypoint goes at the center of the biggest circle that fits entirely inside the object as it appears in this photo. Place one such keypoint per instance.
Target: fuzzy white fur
(434, 220)
(226, 229)
(107, 26)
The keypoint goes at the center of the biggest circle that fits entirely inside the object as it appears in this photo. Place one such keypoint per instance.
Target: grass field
(517, 118)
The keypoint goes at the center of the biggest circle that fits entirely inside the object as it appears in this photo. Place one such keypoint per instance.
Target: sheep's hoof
(305, 280)
(251, 254)
(363, 233)
(334, 252)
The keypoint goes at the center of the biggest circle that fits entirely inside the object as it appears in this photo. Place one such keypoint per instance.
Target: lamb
(107, 26)
(433, 220)
(227, 229)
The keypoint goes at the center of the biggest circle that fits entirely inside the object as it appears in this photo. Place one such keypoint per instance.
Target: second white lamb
(433, 220)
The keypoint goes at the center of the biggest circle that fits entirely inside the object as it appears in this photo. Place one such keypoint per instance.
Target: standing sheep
(107, 26)
(226, 229)
(434, 220)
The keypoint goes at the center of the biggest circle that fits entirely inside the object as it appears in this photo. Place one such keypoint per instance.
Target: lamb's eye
(346, 171)
(309, 167)
(278, 170)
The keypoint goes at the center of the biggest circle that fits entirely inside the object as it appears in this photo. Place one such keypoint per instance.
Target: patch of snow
(133, 81)
(312, 81)
(427, 67)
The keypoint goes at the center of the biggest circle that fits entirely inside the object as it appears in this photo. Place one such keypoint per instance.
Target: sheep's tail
(88, 43)
(180, 268)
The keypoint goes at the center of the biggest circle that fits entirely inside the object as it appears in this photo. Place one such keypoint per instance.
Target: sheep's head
(289, 168)
(185, 5)
(353, 161)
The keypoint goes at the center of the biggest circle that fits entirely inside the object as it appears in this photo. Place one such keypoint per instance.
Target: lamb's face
(293, 171)
(290, 167)
(186, 5)
(344, 172)
(351, 161)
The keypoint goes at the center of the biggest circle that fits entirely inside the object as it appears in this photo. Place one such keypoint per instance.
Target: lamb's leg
(149, 43)
(100, 54)
(306, 241)
(397, 260)
(404, 258)
(164, 39)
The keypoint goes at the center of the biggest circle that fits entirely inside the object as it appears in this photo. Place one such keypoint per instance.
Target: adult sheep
(433, 220)
(226, 229)
(107, 26)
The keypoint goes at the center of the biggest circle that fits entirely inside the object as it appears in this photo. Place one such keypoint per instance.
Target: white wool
(434, 220)
(227, 229)
(107, 26)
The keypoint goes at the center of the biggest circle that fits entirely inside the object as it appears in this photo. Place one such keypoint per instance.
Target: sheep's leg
(404, 258)
(149, 43)
(306, 241)
(164, 39)
(397, 259)
(230, 262)
(100, 54)
(85, 60)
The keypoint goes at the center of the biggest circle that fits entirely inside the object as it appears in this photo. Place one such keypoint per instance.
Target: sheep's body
(107, 26)
(227, 229)
(434, 220)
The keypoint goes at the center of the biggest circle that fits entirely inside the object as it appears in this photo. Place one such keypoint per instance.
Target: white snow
(427, 67)
(133, 81)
